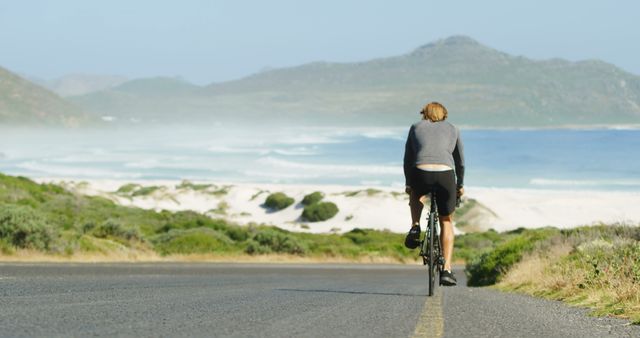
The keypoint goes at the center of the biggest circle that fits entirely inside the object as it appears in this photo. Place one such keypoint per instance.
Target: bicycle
(430, 249)
(430, 246)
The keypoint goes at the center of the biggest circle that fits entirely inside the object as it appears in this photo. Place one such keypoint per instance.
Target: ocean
(599, 159)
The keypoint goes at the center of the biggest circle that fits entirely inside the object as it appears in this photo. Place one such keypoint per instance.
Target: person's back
(434, 142)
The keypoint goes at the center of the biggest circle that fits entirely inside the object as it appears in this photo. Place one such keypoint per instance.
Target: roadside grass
(597, 267)
(470, 246)
(488, 268)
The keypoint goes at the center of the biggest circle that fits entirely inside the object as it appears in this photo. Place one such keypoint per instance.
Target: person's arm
(458, 158)
(409, 157)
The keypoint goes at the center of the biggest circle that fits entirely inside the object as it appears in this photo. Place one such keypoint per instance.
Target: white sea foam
(150, 163)
(385, 133)
(262, 151)
(310, 139)
(75, 172)
(583, 183)
(332, 169)
(237, 150)
(297, 151)
(278, 176)
(188, 163)
(93, 157)
(371, 182)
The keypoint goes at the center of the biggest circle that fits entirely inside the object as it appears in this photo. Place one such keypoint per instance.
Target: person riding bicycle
(432, 151)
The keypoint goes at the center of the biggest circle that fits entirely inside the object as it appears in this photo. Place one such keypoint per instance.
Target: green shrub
(278, 201)
(183, 220)
(127, 188)
(312, 198)
(198, 240)
(601, 259)
(270, 240)
(5, 247)
(470, 246)
(490, 266)
(319, 212)
(358, 236)
(24, 227)
(192, 186)
(190, 219)
(369, 192)
(237, 233)
(87, 227)
(106, 229)
(111, 228)
(145, 191)
(221, 209)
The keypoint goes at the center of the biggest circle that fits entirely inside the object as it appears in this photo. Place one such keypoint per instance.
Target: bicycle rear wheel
(432, 253)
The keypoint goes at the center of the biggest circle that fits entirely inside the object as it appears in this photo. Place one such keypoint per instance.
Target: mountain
(25, 103)
(80, 84)
(148, 99)
(479, 85)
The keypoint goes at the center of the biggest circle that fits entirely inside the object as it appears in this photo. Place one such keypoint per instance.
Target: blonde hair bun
(434, 112)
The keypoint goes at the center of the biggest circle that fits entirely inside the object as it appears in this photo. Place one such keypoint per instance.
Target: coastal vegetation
(595, 266)
(320, 211)
(278, 201)
(52, 220)
(367, 192)
(49, 219)
(188, 185)
(315, 210)
(312, 198)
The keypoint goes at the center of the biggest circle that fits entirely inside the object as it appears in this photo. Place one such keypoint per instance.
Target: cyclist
(432, 151)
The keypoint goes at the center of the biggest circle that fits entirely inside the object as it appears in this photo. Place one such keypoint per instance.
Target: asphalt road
(240, 300)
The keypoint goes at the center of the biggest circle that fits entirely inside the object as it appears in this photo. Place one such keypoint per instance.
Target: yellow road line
(431, 321)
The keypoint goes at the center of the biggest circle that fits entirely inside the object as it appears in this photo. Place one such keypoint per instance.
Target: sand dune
(377, 208)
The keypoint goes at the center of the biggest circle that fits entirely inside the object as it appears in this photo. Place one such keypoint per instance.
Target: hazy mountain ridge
(480, 85)
(147, 99)
(25, 103)
(80, 84)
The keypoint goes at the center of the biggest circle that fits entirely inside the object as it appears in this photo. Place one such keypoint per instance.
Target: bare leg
(446, 239)
(416, 208)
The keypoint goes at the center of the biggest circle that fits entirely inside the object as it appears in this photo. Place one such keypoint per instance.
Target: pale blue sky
(205, 41)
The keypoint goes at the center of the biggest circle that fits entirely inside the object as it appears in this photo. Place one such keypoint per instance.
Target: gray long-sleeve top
(434, 143)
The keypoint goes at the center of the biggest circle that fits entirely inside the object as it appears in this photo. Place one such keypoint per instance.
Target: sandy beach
(371, 207)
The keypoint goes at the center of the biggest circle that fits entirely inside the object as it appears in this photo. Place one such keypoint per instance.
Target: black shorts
(444, 183)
